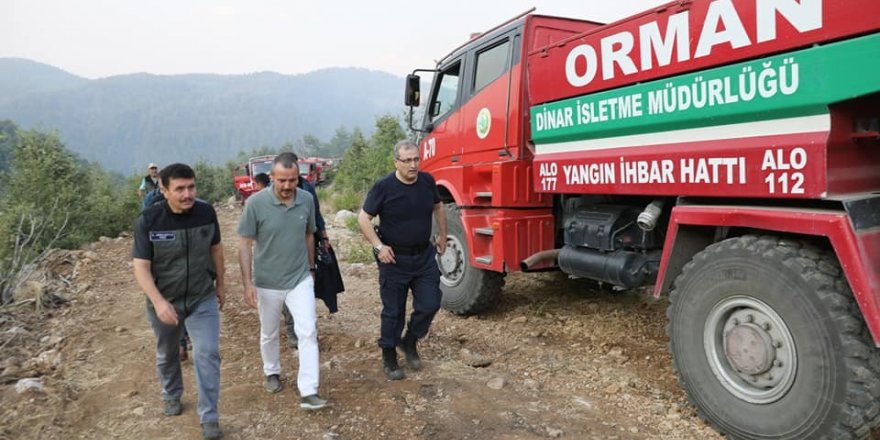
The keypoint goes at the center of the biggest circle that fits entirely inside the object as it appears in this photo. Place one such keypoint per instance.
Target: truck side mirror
(412, 94)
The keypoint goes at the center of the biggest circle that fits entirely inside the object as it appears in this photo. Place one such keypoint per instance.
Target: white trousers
(301, 303)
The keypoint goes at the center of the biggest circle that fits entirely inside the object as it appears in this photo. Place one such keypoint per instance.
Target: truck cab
(475, 132)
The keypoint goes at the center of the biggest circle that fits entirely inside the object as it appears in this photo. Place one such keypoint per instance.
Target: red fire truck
(243, 175)
(725, 151)
(315, 169)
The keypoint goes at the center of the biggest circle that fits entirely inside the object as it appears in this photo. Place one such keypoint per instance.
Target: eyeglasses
(412, 160)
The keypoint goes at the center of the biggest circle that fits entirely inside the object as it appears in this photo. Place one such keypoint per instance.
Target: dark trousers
(420, 274)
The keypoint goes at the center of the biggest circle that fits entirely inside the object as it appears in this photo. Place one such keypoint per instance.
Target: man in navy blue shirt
(405, 200)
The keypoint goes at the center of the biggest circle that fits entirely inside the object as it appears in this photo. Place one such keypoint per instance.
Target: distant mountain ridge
(127, 121)
(19, 77)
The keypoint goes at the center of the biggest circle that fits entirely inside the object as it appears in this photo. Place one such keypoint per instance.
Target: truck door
(442, 143)
(484, 114)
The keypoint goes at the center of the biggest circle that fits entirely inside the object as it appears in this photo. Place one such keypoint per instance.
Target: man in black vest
(405, 200)
(178, 263)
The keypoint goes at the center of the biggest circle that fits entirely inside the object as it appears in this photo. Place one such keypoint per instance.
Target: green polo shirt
(281, 260)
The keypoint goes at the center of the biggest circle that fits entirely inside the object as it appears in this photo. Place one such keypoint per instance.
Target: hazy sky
(99, 38)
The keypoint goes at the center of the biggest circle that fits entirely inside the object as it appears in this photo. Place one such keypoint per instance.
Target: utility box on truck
(725, 151)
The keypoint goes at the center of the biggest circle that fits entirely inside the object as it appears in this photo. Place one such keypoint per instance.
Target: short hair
(287, 159)
(404, 144)
(176, 171)
(262, 179)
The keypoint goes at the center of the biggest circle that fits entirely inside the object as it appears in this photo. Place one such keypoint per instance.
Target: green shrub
(351, 223)
(349, 200)
(359, 252)
(325, 196)
(214, 183)
(52, 198)
(365, 161)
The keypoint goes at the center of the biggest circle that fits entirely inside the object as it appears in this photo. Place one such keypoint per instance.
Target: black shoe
(173, 407)
(412, 355)
(389, 364)
(211, 430)
(273, 383)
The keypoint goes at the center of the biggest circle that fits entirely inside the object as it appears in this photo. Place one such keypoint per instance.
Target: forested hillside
(124, 122)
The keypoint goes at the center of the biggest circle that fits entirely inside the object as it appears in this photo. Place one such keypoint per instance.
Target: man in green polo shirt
(277, 239)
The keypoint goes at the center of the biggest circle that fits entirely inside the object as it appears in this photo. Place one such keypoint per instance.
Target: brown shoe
(183, 354)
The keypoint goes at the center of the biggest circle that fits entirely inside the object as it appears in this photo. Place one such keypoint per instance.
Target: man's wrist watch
(378, 248)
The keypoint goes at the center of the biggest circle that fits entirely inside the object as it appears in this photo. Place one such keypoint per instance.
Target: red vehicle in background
(315, 169)
(725, 151)
(243, 175)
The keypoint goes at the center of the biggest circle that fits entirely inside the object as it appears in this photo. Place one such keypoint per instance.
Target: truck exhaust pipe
(620, 268)
(538, 257)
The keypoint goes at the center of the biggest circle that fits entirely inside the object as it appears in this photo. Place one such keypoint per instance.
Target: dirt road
(566, 362)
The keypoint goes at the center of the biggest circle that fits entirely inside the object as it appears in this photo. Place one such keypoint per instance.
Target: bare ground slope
(566, 362)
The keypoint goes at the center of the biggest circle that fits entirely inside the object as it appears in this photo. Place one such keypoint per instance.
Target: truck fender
(692, 228)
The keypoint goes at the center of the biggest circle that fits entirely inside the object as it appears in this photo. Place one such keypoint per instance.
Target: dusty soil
(567, 361)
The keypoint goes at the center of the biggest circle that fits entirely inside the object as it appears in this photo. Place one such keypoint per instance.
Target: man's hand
(165, 311)
(221, 296)
(386, 255)
(440, 243)
(440, 238)
(250, 295)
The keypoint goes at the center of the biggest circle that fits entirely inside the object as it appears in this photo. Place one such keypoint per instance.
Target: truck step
(485, 231)
(483, 195)
(486, 259)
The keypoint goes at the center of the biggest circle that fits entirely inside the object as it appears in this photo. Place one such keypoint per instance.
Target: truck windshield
(304, 168)
(261, 167)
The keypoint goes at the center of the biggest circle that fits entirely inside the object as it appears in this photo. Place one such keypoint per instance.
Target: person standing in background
(149, 184)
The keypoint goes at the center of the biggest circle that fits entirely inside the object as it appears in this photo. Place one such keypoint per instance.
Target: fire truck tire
(466, 290)
(768, 342)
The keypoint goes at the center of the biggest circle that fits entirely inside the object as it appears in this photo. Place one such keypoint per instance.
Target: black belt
(410, 250)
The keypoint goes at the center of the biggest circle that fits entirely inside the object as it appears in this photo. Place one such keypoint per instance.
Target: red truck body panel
(752, 100)
(708, 34)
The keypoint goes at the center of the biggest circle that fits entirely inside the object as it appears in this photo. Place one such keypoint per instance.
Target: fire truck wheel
(466, 289)
(768, 342)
